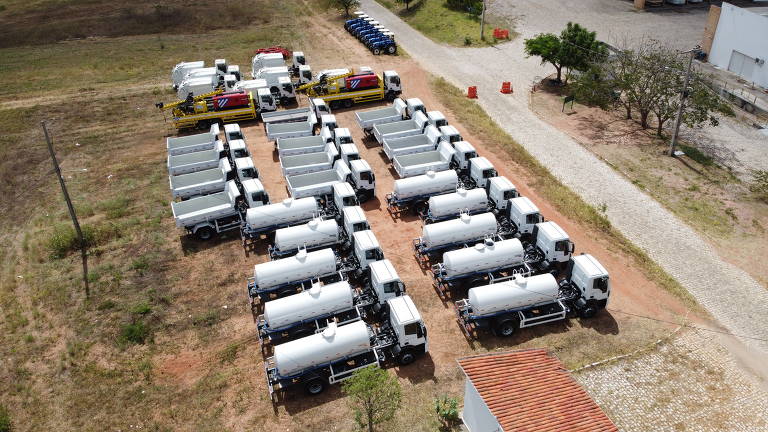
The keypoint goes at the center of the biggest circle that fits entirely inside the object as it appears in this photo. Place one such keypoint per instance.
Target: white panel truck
(411, 165)
(413, 193)
(368, 119)
(312, 310)
(333, 355)
(522, 302)
(208, 215)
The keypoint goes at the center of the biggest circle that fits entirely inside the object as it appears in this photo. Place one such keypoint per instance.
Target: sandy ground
(633, 293)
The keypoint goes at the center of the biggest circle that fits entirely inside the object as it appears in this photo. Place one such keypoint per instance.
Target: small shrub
(467, 40)
(141, 309)
(207, 319)
(229, 354)
(64, 240)
(140, 264)
(697, 155)
(115, 208)
(106, 305)
(759, 185)
(5, 420)
(447, 410)
(136, 333)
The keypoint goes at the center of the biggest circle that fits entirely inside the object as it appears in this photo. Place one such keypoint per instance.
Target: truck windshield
(393, 287)
(510, 194)
(266, 100)
(366, 175)
(562, 246)
(532, 218)
(412, 329)
(350, 201)
(395, 80)
(240, 153)
(489, 173)
(601, 284)
(249, 173)
(360, 226)
(345, 140)
(353, 156)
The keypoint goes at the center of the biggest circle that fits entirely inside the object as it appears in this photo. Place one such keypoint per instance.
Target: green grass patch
(229, 354)
(134, 333)
(207, 319)
(560, 196)
(697, 155)
(442, 24)
(5, 420)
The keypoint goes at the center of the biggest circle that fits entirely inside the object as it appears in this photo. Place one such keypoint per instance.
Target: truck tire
(505, 327)
(204, 233)
(348, 103)
(392, 49)
(588, 311)
(203, 124)
(390, 96)
(406, 357)
(314, 386)
(420, 207)
(376, 51)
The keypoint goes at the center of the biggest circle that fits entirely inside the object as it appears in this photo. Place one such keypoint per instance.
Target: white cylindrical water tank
(314, 233)
(460, 201)
(518, 293)
(302, 266)
(487, 255)
(309, 304)
(427, 184)
(333, 343)
(287, 211)
(465, 228)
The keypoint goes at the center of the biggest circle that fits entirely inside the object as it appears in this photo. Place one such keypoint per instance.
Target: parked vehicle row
(372, 34)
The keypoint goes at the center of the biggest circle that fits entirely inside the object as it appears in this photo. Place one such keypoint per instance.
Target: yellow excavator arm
(324, 82)
(197, 98)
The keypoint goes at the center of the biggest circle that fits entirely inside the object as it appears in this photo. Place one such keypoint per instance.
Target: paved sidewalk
(735, 299)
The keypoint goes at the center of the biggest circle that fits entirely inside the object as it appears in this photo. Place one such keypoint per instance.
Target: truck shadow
(191, 245)
(275, 156)
(369, 141)
(485, 339)
(603, 323)
(372, 204)
(296, 401)
(423, 369)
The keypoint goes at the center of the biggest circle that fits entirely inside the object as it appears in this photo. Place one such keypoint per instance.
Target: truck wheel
(406, 358)
(469, 184)
(390, 96)
(505, 328)
(315, 386)
(203, 124)
(392, 49)
(376, 51)
(420, 207)
(204, 233)
(587, 312)
(476, 282)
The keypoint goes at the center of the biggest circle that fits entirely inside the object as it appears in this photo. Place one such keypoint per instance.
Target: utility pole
(683, 96)
(482, 23)
(81, 239)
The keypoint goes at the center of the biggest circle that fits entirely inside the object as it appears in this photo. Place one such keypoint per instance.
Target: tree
(547, 46)
(580, 49)
(374, 396)
(345, 5)
(406, 2)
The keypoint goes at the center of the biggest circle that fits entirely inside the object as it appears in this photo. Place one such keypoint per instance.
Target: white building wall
(476, 415)
(746, 33)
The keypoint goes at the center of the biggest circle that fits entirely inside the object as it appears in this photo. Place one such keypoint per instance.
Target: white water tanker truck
(312, 310)
(528, 301)
(325, 358)
(413, 193)
(452, 234)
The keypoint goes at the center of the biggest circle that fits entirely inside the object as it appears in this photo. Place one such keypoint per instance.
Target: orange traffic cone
(506, 87)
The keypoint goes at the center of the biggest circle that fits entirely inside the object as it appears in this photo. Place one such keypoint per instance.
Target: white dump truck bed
(419, 163)
(206, 208)
(300, 145)
(396, 129)
(407, 145)
(308, 163)
(193, 162)
(192, 143)
(318, 183)
(286, 116)
(201, 182)
(291, 130)
(368, 119)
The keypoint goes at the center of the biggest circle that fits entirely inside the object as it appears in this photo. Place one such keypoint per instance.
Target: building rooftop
(530, 390)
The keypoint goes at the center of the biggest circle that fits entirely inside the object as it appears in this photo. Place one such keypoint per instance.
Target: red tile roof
(530, 391)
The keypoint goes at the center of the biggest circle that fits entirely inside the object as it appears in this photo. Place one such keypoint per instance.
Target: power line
(724, 332)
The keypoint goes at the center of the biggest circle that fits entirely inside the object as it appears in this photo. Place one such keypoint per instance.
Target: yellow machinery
(333, 91)
(200, 112)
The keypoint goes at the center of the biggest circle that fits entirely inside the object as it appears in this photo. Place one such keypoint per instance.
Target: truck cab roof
(360, 165)
(523, 205)
(366, 240)
(552, 231)
(501, 183)
(231, 128)
(353, 215)
(448, 130)
(349, 149)
(411, 101)
(383, 271)
(343, 189)
(238, 147)
(481, 163)
(252, 185)
(403, 309)
(589, 265)
(463, 147)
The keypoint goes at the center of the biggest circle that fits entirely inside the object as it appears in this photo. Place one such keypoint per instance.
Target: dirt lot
(200, 367)
(703, 193)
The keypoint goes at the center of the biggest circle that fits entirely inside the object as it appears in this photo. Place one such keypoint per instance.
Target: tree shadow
(412, 10)
(295, 401)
